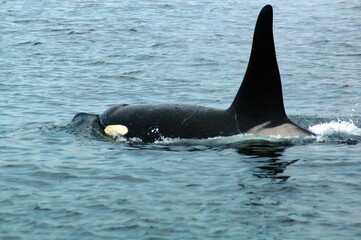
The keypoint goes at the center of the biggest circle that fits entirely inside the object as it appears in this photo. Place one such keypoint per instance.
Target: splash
(336, 127)
(337, 131)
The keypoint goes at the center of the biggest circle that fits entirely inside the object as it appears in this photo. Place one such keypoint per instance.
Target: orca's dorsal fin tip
(261, 90)
(267, 12)
(268, 7)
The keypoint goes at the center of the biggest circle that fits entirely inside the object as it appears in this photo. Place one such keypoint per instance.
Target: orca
(257, 108)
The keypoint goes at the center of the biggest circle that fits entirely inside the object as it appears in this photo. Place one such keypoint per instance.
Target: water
(61, 180)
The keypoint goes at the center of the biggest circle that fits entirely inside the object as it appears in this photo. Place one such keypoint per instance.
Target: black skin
(153, 122)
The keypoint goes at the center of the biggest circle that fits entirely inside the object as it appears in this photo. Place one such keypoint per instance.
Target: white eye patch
(116, 130)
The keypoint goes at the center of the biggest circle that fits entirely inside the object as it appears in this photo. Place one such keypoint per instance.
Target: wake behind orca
(257, 108)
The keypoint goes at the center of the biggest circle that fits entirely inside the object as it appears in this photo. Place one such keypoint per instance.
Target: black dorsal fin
(261, 92)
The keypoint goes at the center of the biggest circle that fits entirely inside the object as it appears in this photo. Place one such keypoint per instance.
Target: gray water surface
(62, 180)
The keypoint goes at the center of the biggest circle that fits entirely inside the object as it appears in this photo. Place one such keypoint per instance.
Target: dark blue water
(63, 180)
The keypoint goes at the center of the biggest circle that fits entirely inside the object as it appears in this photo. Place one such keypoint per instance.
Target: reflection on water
(268, 156)
(263, 148)
(273, 169)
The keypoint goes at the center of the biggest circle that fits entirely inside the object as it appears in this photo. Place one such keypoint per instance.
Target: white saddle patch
(116, 130)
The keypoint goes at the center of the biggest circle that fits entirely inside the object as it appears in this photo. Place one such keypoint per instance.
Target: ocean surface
(61, 179)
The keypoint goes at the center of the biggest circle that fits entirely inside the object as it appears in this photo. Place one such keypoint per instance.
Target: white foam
(336, 127)
(221, 141)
